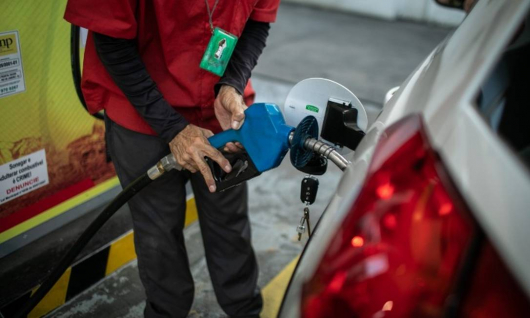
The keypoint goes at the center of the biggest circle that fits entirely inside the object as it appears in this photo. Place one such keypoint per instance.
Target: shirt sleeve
(122, 60)
(265, 11)
(115, 18)
(245, 56)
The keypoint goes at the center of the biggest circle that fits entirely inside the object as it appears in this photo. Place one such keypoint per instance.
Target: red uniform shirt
(172, 36)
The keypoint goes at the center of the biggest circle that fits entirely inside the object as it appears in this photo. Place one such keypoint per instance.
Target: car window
(504, 98)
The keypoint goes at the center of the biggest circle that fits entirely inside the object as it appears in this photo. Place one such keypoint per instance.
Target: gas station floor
(369, 56)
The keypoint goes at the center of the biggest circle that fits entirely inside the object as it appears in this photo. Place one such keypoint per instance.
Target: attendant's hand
(190, 147)
(229, 108)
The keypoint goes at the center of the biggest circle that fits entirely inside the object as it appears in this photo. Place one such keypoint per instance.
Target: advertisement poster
(51, 149)
(11, 70)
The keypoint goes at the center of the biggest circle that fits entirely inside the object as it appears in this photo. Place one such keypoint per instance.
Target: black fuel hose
(130, 191)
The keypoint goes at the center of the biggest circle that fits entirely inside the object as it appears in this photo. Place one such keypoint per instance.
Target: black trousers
(158, 214)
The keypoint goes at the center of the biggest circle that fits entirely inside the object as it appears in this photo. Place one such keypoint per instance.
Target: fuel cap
(308, 128)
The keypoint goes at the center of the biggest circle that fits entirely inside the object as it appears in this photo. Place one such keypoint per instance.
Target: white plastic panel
(310, 97)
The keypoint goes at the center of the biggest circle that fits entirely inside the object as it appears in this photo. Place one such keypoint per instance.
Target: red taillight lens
(493, 292)
(398, 250)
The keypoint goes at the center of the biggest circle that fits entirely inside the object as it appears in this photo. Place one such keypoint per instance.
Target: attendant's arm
(229, 105)
(188, 143)
(245, 57)
(121, 59)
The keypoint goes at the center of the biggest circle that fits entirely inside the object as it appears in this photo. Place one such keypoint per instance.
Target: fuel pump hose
(130, 191)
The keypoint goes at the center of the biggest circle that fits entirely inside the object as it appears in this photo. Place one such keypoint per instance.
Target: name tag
(218, 52)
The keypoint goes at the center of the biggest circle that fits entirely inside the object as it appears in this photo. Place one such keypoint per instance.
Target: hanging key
(306, 217)
(301, 228)
(309, 189)
(308, 194)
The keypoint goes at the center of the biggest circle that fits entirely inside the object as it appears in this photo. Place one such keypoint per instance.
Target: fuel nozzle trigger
(265, 138)
(242, 169)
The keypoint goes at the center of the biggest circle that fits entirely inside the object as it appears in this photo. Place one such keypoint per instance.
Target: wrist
(226, 84)
(177, 131)
(226, 88)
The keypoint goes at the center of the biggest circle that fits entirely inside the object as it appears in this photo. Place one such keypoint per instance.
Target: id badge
(218, 52)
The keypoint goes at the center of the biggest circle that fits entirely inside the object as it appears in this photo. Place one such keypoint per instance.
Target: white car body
(492, 180)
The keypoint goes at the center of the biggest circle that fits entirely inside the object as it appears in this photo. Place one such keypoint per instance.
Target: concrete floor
(367, 55)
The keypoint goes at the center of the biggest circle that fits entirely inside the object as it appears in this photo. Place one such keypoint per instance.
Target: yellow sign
(8, 44)
(47, 118)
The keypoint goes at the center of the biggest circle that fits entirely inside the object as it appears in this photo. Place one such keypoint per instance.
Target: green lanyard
(220, 47)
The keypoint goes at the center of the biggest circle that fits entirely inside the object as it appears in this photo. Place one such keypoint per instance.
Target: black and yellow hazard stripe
(274, 291)
(87, 272)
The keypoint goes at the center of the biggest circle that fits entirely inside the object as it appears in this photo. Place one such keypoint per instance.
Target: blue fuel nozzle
(265, 137)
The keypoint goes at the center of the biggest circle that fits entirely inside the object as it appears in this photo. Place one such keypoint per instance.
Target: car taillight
(493, 292)
(398, 251)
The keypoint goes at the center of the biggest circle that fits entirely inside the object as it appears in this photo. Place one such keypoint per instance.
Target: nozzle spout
(327, 151)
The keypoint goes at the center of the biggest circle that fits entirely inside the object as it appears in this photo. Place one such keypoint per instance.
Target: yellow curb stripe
(191, 211)
(121, 252)
(273, 293)
(54, 298)
(58, 209)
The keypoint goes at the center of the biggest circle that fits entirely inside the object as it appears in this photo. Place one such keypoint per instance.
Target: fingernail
(228, 168)
(212, 188)
(235, 124)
